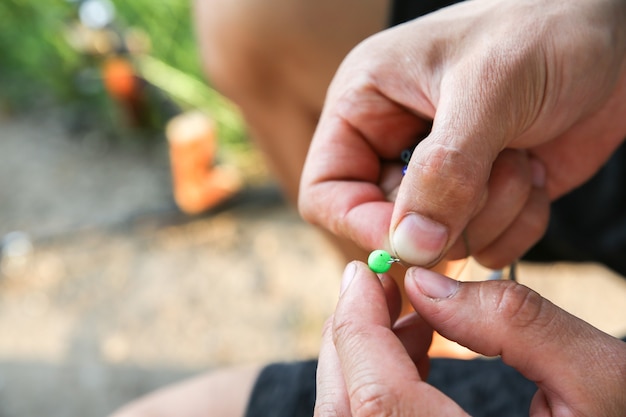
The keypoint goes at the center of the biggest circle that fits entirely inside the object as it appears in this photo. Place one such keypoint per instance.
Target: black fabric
(482, 387)
(589, 224)
(405, 10)
(284, 390)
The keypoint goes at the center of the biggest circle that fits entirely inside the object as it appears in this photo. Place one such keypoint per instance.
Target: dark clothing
(589, 224)
(405, 10)
(482, 387)
(284, 390)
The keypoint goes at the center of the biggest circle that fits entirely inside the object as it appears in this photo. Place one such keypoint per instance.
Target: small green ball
(379, 261)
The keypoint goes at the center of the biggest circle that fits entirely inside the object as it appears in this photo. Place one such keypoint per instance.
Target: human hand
(366, 370)
(526, 101)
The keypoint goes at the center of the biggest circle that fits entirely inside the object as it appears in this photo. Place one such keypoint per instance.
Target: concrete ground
(108, 291)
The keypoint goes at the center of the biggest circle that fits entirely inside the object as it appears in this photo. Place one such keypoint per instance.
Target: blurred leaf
(39, 60)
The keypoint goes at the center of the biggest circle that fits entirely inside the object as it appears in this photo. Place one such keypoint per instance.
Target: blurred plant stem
(190, 92)
(41, 62)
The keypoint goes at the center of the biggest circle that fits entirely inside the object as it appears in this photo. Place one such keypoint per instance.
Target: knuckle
(345, 330)
(349, 336)
(522, 307)
(461, 177)
(327, 329)
(325, 407)
(314, 203)
(371, 399)
(368, 398)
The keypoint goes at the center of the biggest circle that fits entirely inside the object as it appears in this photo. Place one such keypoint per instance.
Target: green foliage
(168, 25)
(38, 61)
(34, 53)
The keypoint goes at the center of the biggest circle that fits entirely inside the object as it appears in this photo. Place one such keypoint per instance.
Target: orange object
(119, 78)
(123, 85)
(197, 183)
(444, 348)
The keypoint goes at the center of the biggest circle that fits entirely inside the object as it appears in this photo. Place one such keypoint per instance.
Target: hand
(545, 81)
(365, 369)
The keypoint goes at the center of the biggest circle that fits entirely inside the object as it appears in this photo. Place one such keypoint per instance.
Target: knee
(235, 47)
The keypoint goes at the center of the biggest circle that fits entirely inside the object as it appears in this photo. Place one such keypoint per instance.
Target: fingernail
(434, 285)
(348, 274)
(418, 240)
(537, 172)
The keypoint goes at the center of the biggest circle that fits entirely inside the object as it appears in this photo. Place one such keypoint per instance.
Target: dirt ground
(108, 291)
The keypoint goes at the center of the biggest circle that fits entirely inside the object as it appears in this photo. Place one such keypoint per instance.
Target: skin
(370, 366)
(275, 60)
(521, 114)
(223, 393)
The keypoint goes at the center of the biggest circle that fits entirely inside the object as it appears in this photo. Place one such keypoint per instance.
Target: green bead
(380, 261)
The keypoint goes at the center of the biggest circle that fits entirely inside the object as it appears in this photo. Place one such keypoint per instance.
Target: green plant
(35, 57)
(37, 60)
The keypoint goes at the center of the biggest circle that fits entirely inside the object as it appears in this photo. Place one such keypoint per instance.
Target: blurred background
(142, 239)
(108, 287)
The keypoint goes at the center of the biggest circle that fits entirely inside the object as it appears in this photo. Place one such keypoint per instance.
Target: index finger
(380, 376)
(340, 188)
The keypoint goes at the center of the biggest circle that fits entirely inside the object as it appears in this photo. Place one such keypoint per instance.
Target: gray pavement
(119, 293)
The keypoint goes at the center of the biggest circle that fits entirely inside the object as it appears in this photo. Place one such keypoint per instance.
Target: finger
(380, 377)
(510, 187)
(414, 333)
(543, 342)
(340, 187)
(416, 336)
(390, 179)
(525, 231)
(362, 314)
(393, 297)
(331, 398)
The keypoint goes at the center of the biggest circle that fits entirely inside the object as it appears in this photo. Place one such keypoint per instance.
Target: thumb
(444, 186)
(543, 342)
(447, 177)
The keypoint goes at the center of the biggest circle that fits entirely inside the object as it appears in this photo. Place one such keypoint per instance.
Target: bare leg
(222, 393)
(275, 59)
